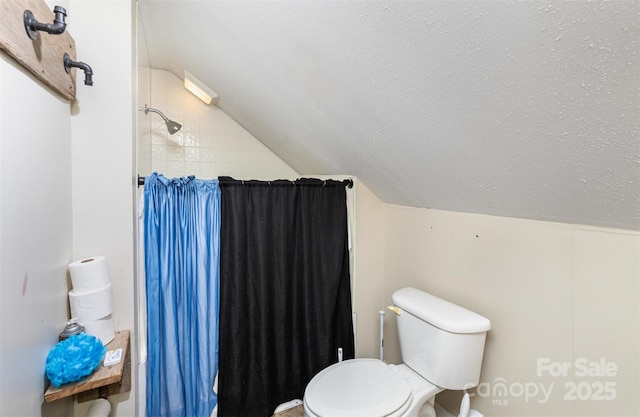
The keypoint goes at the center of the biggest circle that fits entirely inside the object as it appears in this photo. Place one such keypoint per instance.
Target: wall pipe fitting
(33, 26)
(88, 72)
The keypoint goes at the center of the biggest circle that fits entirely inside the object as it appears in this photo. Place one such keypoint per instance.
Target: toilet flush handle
(395, 309)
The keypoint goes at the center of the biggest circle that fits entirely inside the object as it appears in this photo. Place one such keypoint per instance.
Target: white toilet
(442, 345)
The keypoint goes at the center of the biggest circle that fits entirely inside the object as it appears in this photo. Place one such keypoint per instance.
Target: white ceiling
(522, 109)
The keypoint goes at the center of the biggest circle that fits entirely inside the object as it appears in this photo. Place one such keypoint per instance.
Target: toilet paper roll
(99, 408)
(102, 329)
(89, 274)
(91, 305)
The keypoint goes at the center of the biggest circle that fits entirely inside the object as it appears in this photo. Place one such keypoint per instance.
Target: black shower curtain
(285, 298)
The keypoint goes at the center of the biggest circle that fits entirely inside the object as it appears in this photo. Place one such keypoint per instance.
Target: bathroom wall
(143, 166)
(556, 294)
(35, 237)
(368, 270)
(210, 143)
(102, 129)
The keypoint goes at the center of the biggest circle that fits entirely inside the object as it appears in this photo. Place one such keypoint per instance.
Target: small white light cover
(198, 89)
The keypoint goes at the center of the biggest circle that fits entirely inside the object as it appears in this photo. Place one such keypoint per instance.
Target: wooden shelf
(111, 379)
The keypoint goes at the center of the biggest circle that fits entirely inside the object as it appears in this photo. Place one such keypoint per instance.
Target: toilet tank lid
(440, 313)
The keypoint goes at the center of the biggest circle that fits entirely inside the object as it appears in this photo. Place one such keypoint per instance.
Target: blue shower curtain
(182, 246)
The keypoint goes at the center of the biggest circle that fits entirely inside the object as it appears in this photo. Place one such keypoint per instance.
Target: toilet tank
(440, 340)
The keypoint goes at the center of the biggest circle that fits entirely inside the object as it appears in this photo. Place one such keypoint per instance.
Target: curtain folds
(285, 298)
(182, 247)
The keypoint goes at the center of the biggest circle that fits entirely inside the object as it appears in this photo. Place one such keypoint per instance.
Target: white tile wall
(210, 143)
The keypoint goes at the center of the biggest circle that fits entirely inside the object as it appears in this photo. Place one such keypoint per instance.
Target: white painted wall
(35, 237)
(102, 128)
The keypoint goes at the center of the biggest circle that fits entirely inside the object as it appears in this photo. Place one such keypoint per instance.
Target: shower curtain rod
(348, 182)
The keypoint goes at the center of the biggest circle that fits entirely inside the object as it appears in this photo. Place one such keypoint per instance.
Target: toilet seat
(357, 388)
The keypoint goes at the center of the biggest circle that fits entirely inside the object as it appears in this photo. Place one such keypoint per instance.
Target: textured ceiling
(522, 109)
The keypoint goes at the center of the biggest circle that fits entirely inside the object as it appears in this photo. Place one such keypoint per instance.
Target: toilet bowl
(367, 388)
(441, 345)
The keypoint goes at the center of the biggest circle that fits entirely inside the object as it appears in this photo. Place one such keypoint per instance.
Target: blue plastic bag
(74, 358)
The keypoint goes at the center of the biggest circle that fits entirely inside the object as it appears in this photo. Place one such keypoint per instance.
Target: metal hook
(33, 26)
(88, 72)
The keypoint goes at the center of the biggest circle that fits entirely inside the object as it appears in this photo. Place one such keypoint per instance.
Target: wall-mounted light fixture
(198, 89)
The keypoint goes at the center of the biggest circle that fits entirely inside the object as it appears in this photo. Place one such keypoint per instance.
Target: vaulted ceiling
(524, 109)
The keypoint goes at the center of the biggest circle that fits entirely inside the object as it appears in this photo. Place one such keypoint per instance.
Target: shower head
(172, 126)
